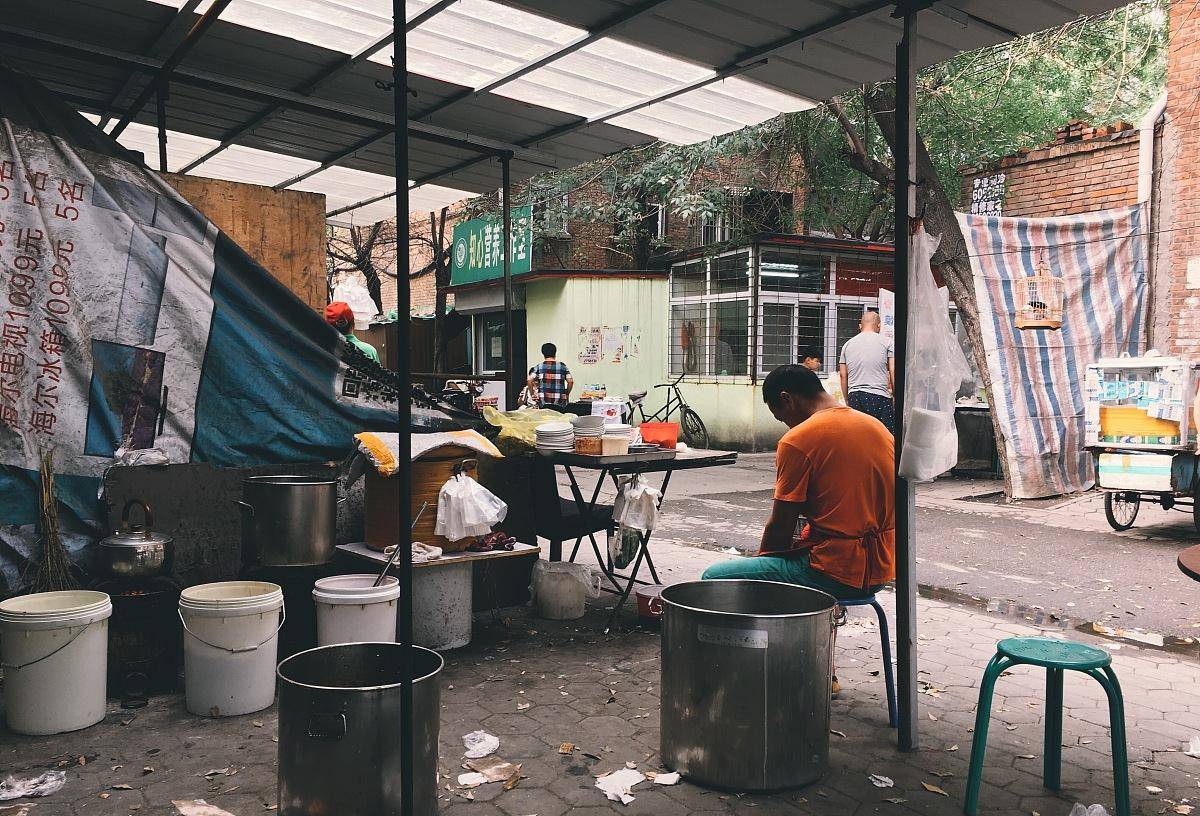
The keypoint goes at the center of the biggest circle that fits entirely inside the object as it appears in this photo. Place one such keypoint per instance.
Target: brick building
(1175, 215)
(1085, 168)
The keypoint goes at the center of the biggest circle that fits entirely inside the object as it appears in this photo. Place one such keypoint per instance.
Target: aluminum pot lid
(127, 538)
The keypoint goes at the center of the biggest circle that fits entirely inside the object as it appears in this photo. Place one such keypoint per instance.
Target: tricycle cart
(1139, 428)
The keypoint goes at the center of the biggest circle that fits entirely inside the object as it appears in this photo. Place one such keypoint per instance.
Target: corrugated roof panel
(340, 25)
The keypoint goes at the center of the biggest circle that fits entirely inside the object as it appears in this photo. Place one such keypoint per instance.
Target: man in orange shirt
(835, 468)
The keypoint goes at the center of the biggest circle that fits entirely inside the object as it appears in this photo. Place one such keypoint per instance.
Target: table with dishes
(620, 453)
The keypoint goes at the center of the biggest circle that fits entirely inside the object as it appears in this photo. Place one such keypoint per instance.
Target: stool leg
(1116, 715)
(983, 715)
(889, 676)
(1052, 762)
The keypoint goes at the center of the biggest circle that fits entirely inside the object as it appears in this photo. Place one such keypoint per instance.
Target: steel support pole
(404, 628)
(906, 558)
(510, 364)
(161, 101)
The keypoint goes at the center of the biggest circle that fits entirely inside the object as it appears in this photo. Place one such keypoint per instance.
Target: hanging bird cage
(1039, 299)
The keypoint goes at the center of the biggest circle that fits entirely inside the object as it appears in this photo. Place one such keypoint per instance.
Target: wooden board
(282, 230)
(361, 550)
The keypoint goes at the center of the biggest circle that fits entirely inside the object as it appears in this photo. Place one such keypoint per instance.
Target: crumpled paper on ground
(618, 784)
(480, 744)
(44, 785)
(198, 807)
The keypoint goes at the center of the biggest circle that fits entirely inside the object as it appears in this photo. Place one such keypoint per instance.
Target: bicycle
(694, 432)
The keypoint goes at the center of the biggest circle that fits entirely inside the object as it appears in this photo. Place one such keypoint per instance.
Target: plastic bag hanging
(636, 506)
(466, 509)
(934, 370)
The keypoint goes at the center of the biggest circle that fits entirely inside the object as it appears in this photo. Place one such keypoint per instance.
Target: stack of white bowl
(588, 425)
(555, 436)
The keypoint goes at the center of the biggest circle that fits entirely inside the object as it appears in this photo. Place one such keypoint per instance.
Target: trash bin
(339, 730)
(745, 683)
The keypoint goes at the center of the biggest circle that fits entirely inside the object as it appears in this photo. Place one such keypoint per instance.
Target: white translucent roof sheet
(340, 25)
(474, 42)
(341, 186)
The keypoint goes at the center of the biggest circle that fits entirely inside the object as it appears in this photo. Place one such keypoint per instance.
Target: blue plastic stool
(885, 639)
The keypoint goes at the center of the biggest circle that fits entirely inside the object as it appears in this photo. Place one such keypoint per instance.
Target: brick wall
(1180, 215)
(1084, 169)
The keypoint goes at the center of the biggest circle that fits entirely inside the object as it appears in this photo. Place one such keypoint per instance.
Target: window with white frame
(805, 308)
(710, 316)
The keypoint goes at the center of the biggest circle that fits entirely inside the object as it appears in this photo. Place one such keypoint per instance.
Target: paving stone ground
(537, 684)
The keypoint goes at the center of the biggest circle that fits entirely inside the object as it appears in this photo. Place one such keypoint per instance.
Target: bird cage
(1039, 299)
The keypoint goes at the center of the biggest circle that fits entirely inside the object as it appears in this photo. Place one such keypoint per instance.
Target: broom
(54, 571)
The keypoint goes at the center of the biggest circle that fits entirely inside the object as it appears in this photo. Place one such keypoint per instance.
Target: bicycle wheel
(694, 432)
(1121, 509)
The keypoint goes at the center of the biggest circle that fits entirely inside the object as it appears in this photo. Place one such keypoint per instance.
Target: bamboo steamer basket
(429, 473)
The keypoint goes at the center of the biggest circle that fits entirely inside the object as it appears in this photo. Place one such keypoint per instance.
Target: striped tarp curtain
(1038, 374)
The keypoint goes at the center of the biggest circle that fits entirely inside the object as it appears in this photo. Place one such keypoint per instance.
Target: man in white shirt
(867, 368)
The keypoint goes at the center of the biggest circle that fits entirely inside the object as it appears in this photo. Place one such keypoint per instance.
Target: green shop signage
(478, 254)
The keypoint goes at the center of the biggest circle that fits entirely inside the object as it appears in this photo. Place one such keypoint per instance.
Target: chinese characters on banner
(477, 253)
(37, 294)
(106, 307)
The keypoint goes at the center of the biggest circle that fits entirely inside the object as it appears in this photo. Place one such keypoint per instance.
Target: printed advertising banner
(128, 320)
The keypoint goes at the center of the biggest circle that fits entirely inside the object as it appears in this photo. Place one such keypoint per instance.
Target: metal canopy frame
(275, 100)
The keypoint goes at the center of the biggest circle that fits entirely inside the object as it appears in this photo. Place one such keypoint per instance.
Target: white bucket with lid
(230, 643)
(54, 650)
(350, 609)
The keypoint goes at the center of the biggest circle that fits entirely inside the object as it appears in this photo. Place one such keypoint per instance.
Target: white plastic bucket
(561, 589)
(54, 649)
(350, 609)
(230, 642)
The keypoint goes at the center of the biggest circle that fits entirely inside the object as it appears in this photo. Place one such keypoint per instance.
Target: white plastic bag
(354, 294)
(560, 589)
(636, 505)
(1094, 810)
(935, 369)
(466, 508)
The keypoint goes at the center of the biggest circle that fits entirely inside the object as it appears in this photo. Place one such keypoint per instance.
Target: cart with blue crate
(1140, 425)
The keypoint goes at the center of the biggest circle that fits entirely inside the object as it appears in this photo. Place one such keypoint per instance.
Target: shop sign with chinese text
(478, 253)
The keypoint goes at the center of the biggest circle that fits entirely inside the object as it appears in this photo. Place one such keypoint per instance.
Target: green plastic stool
(1056, 656)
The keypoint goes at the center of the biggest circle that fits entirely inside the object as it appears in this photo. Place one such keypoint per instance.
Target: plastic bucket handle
(278, 629)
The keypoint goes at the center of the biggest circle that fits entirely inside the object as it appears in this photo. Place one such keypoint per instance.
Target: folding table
(665, 462)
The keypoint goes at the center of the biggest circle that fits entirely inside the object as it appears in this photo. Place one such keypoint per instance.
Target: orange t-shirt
(839, 466)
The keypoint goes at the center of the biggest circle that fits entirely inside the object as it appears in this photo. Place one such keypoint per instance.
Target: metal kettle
(135, 550)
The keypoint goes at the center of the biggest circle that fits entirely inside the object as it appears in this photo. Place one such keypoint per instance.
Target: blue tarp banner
(127, 319)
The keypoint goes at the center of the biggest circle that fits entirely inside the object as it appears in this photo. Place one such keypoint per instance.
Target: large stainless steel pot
(745, 683)
(288, 521)
(339, 730)
(135, 550)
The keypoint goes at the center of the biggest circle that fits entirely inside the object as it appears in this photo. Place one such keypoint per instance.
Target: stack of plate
(555, 436)
(588, 426)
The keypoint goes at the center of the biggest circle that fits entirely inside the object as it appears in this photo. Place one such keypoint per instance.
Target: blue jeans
(787, 569)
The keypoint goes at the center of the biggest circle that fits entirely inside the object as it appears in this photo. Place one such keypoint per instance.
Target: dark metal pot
(339, 730)
(288, 521)
(135, 550)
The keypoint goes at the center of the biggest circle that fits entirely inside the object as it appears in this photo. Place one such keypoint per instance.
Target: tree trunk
(951, 257)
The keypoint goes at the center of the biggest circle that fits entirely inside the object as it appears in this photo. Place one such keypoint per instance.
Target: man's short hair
(549, 350)
(794, 379)
(811, 352)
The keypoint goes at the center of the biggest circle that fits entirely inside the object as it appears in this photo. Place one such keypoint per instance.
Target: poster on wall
(887, 314)
(129, 321)
(591, 345)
